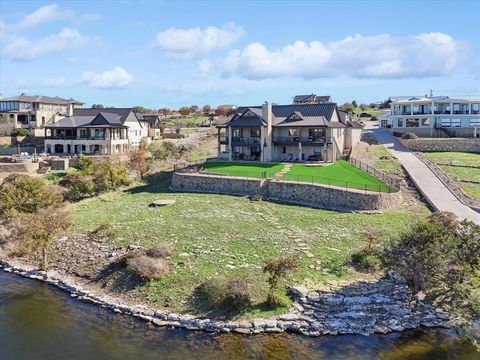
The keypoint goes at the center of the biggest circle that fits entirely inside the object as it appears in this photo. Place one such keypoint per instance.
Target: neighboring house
(385, 120)
(95, 131)
(288, 133)
(365, 116)
(437, 116)
(385, 104)
(311, 99)
(33, 112)
(153, 123)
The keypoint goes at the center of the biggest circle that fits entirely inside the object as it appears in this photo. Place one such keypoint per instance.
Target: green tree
(26, 194)
(37, 231)
(109, 174)
(85, 164)
(140, 109)
(354, 103)
(277, 270)
(207, 109)
(98, 106)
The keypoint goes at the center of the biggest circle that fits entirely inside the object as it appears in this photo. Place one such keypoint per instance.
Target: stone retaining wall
(19, 167)
(462, 145)
(361, 308)
(314, 195)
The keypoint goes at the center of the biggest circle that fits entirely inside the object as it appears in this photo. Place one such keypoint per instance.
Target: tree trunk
(44, 258)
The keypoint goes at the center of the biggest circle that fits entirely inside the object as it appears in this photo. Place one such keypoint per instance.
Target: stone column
(230, 150)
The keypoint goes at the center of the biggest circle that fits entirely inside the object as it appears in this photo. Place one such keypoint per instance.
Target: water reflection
(41, 322)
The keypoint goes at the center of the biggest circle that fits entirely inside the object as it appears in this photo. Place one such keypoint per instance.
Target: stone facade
(462, 145)
(19, 167)
(313, 195)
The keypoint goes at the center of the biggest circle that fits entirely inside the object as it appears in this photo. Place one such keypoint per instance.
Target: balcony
(73, 137)
(442, 112)
(285, 140)
(245, 140)
(460, 112)
(405, 113)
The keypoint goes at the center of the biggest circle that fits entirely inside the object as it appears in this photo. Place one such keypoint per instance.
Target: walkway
(434, 191)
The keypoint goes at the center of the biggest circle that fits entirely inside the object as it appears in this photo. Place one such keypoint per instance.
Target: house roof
(41, 99)
(94, 118)
(150, 118)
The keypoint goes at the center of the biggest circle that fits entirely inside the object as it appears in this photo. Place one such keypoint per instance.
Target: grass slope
(384, 161)
(340, 173)
(217, 235)
(455, 164)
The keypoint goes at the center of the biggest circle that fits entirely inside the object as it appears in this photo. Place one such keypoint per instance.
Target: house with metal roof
(311, 99)
(298, 132)
(436, 116)
(32, 112)
(95, 131)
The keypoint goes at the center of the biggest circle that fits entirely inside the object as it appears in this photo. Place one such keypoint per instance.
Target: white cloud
(44, 14)
(116, 78)
(22, 48)
(380, 56)
(197, 41)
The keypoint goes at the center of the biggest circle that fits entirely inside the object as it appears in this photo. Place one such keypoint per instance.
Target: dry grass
(148, 268)
(161, 251)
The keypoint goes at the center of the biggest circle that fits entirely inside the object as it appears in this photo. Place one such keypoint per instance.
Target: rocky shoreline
(362, 308)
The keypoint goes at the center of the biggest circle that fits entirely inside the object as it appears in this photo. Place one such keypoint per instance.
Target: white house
(437, 116)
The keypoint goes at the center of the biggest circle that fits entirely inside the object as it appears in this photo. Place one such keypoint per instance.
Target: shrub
(109, 174)
(138, 161)
(79, 186)
(277, 270)
(105, 231)
(123, 260)
(85, 164)
(163, 150)
(160, 251)
(440, 257)
(229, 296)
(408, 136)
(148, 268)
(26, 194)
(367, 260)
(20, 132)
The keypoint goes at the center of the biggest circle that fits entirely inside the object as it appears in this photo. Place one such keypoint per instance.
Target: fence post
(365, 189)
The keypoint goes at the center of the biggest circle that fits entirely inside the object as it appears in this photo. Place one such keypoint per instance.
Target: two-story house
(34, 112)
(95, 131)
(153, 122)
(437, 116)
(300, 132)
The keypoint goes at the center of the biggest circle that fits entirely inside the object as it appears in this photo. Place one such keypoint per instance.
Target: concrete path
(434, 191)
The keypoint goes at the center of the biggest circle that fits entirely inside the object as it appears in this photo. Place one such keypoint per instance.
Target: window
(426, 122)
(400, 122)
(475, 122)
(236, 132)
(456, 123)
(292, 132)
(255, 132)
(316, 134)
(317, 150)
(476, 108)
(446, 122)
(284, 150)
(413, 122)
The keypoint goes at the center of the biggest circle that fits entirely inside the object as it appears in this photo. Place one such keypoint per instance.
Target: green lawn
(187, 121)
(219, 235)
(384, 161)
(373, 112)
(340, 173)
(256, 170)
(455, 164)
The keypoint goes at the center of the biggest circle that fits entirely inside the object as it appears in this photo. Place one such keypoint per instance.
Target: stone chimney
(267, 115)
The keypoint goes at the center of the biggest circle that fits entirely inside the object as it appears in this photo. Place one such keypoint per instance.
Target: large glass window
(426, 122)
(413, 122)
(400, 122)
(293, 132)
(446, 122)
(456, 123)
(476, 108)
(255, 132)
(316, 134)
(475, 122)
(236, 132)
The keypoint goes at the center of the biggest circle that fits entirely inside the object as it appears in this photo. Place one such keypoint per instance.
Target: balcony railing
(65, 137)
(246, 140)
(440, 112)
(297, 139)
(460, 112)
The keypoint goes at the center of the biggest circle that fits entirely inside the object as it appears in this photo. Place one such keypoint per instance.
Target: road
(434, 191)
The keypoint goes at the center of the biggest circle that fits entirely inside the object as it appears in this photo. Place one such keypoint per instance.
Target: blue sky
(159, 53)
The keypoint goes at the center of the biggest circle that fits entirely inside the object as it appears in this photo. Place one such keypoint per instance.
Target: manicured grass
(191, 121)
(340, 173)
(384, 161)
(256, 170)
(456, 165)
(373, 112)
(218, 235)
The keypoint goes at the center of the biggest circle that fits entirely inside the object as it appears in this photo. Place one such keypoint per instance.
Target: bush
(367, 260)
(408, 136)
(441, 257)
(148, 268)
(229, 296)
(163, 150)
(105, 231)
(26, 194)
(123, 260)
(20, 132)
(79, 186)
(85, 164)
(277, 270)
(109, 174)
(160, 251)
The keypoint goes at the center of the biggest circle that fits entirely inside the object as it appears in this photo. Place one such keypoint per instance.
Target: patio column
(300, 151)
(262, 141)
(230, 150)
(218, 143)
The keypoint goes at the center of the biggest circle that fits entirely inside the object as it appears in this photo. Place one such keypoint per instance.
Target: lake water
(38, 321)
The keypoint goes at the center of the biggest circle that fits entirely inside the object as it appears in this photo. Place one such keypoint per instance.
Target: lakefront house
(95, 131)
(436, 116)
(297, 132)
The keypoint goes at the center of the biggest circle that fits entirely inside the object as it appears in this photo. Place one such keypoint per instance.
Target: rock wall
(19, 167)
(313, 195)
(462, 145)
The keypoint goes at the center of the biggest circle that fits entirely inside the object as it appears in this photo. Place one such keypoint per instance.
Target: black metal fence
(387, 179)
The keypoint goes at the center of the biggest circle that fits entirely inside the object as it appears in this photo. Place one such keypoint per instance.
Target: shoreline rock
(364, 308)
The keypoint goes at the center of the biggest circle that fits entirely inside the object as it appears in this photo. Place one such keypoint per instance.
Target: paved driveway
(434, 191)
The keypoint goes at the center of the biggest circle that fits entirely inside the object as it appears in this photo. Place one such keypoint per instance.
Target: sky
(174, 53)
